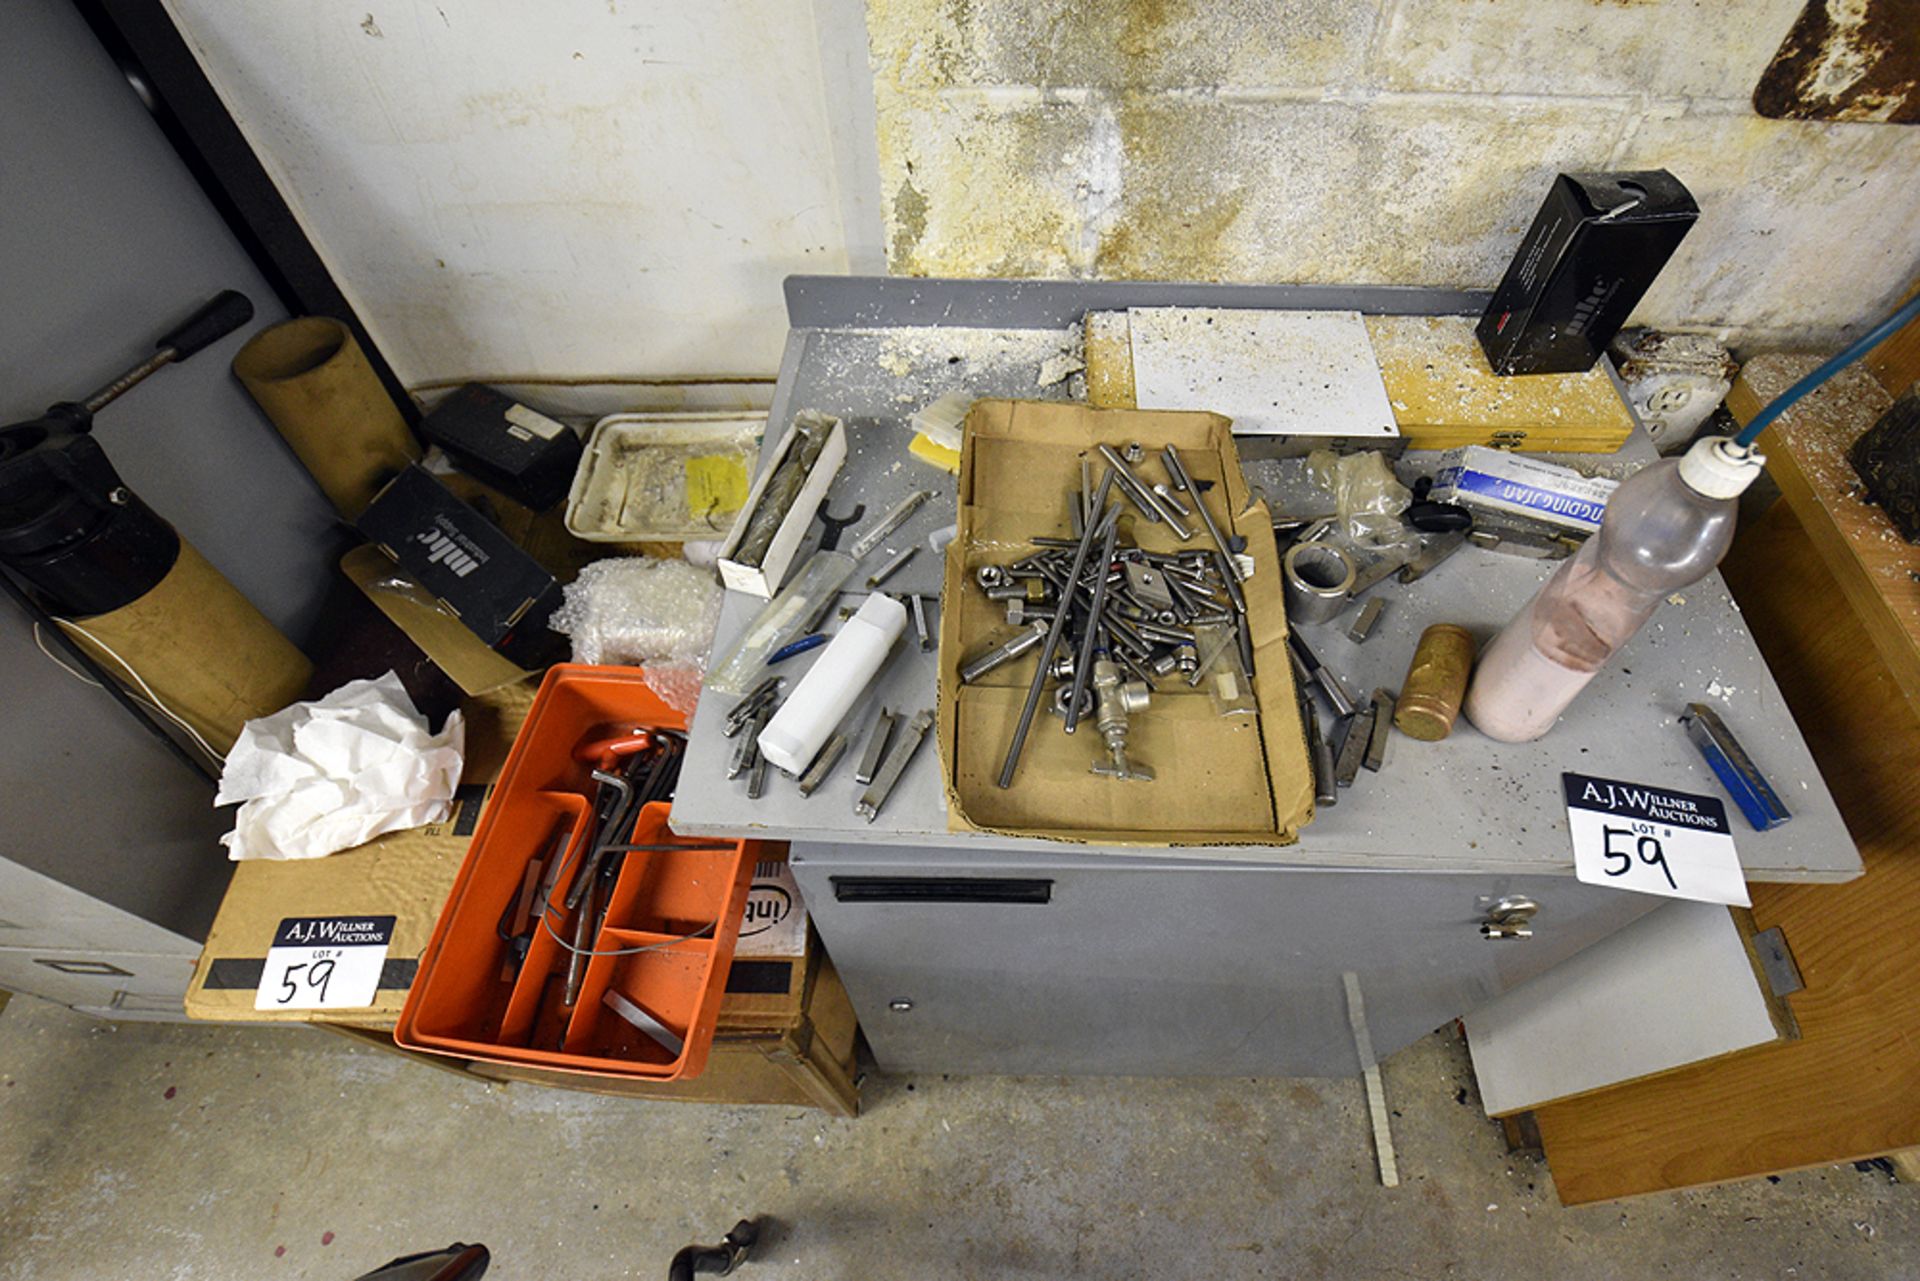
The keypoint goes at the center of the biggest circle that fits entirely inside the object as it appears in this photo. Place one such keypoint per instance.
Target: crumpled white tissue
(329, 775)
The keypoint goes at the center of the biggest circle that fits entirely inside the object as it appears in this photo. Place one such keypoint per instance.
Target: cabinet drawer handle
(1509, 918)
(941, 889)
(92, 969)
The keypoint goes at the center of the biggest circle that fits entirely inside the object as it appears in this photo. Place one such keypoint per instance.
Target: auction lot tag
(324, 963)
(1652, 840)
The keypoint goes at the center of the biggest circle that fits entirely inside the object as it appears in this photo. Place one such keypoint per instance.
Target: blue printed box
(1494, 480)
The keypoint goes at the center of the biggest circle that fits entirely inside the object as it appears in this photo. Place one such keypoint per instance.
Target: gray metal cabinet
(67, 946)
(110, 865)
(1110, 964)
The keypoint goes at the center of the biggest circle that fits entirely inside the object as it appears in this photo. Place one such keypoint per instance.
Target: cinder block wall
(1383, 141)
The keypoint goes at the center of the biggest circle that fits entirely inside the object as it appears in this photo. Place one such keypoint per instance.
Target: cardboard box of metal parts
(1242, 780)
(405, 875)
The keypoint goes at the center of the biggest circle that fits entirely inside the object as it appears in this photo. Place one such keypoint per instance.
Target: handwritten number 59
(318, 975)
(1647, 848)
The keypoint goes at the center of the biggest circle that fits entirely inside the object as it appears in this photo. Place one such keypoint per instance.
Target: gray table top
(1467, 804)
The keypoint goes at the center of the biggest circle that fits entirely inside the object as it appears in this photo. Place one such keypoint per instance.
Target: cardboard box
(1496, 481)
(465, 561)
(1593, 249)
(1220, 780)
(405, 875)
(467, 660)
(776, 919)
(764, 579)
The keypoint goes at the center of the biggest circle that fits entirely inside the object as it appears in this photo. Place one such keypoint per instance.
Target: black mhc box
(1593, 249)
(500, 593)
(521, 452)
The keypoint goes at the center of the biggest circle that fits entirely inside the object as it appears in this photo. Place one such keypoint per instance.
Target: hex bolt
(1020, 612)
(1006, 652)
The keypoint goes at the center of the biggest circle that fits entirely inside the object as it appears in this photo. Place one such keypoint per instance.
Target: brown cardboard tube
(202, 649)
(314, 382)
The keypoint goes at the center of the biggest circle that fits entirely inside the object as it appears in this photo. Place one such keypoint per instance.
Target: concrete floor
(153, 1151)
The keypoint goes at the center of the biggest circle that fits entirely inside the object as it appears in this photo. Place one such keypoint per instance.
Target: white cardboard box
(764, 579)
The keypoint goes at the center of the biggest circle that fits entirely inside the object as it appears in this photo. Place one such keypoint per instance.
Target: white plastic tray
(640, 472)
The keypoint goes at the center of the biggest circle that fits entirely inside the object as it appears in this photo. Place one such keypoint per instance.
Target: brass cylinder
(1436, 682)
(314, 382)
(201, 650)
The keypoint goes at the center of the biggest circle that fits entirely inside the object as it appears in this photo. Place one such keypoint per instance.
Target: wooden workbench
(1832, 594)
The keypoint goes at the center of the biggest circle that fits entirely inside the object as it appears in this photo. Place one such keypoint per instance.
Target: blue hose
(1861, 346)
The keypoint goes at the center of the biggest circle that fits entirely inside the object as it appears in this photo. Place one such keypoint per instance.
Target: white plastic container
(838, 677)
(1666, 526)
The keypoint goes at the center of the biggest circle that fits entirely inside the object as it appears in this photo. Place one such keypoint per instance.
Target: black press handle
(225, 312)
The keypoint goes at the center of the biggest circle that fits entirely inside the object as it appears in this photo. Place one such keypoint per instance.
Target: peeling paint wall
(569, 189)
(1380, 141)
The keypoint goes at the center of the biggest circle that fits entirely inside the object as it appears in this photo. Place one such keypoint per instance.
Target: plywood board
(1675, 987)
(1895, 362)
(1298, 373)
(1444, 393)
(1876, 569)
(1109, 356)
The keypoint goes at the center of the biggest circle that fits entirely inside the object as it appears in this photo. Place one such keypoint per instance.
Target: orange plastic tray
(463, 1002)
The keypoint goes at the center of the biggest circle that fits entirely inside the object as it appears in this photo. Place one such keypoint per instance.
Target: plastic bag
(637, 611)
(1367, 498)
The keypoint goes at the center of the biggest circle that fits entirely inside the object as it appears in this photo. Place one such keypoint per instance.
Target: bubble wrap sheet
(636, 611)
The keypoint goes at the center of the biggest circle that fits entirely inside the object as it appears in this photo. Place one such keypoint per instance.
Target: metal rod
(920, 623)
(1176, 469)
(892, 567)
(126, 382)
(823, 764)
(1146, 498)
(1032, 705)
(1083, 663)
(888, 523)
(1005, 652)
(881, 786)
(876, 747)
(1130, 483)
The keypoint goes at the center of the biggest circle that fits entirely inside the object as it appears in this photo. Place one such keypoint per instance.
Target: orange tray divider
(459, 1003)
